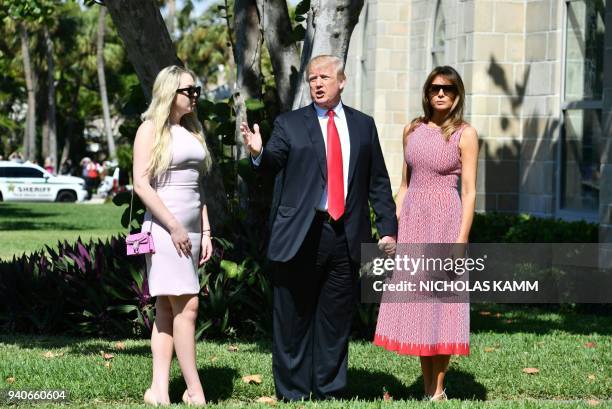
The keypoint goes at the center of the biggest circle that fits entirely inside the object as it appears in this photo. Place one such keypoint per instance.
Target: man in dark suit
(329, 165)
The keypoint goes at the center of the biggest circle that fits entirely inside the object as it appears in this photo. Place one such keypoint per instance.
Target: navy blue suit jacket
(296, 154)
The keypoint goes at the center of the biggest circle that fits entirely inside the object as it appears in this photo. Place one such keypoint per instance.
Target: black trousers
(314, 302)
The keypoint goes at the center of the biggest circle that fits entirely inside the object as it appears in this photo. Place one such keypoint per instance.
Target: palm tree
(102, 82)
(29, 139)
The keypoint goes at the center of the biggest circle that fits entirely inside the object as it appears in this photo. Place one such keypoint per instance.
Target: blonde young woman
(170, 157)
(440, 149)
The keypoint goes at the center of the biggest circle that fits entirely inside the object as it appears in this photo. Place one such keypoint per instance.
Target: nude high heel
(440, 396)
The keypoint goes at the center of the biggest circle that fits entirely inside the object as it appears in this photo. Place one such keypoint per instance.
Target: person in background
(16, 157)
(66, 168)
(49, 165)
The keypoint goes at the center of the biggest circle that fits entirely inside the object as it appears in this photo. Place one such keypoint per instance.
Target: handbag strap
(130, 220)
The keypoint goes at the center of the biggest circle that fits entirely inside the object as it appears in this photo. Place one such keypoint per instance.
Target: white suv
(29, 182)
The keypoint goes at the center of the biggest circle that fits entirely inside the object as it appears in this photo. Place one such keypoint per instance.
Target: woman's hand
(206, 251)
(459, 249)
(180, 239)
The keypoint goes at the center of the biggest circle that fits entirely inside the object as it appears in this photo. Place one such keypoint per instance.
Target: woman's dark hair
(454, 118)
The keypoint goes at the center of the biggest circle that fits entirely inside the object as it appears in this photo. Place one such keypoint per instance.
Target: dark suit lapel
(354, 137)
(316, 137)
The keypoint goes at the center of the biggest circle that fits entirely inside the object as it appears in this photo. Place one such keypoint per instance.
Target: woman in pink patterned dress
(439, 149)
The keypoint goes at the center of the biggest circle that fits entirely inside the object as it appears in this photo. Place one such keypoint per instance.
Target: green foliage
(32, 11)
(237, 297)
(523, 228)
(124, 156)
(73, 31)
(97, 288)
(203, 42)
(105, 293)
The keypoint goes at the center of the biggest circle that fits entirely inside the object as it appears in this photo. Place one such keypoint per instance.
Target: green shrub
(523, 228)
(94, 289)
(81, 289)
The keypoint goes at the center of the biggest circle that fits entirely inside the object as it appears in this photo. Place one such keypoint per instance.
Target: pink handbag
(139, 243)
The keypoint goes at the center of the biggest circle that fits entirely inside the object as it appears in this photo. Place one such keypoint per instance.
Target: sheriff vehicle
(31, 183)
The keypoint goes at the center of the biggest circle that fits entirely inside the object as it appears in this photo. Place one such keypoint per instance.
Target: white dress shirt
(345, 144)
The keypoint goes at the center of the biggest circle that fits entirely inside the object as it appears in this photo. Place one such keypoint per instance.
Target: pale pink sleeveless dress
(431, 213)
(180, 190)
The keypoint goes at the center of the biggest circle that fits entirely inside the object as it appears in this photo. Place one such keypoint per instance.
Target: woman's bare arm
(399, 201)
(468, 146)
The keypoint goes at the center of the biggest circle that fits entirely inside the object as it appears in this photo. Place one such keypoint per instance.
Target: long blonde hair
(454, 118)
(164, 92)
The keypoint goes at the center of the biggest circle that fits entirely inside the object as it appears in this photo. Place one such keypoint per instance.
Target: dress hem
(175, 294)
(421, 349)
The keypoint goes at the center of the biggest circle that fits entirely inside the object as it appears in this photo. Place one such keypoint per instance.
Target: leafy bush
(523, 228)
(78, 289)
(95, 289)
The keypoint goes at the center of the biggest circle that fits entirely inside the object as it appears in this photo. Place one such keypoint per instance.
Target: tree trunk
(145, 36)
(108, 130)
(149, 48)
(171, 19)
(329, 28)
(44, 140)
(284, 53)
(248, 48)
(29, 140)
(70, 123)
(51, 117)
(248, 78)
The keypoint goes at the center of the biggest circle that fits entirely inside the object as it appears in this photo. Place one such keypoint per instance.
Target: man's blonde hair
(326, 59)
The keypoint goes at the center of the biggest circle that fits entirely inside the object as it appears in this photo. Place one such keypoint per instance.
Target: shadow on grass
(463, 385)
(369, 385)
(366, 384)
(31, 226)
(80, 346)
(503, 318)
(218, 384)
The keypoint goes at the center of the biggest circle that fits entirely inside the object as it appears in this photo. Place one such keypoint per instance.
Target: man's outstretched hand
(252, 140)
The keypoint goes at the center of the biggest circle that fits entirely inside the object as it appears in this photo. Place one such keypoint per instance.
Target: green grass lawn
(573, 353)
(27, 227)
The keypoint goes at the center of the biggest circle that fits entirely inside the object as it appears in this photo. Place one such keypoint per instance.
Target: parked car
(29, 182)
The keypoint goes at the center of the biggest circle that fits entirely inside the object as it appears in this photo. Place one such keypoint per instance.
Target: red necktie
(335, 179)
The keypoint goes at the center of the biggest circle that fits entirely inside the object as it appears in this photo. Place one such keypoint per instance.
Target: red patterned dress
(431, 213)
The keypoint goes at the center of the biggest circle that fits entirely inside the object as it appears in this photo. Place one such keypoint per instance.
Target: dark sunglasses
(191, 92)
(447, 89)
